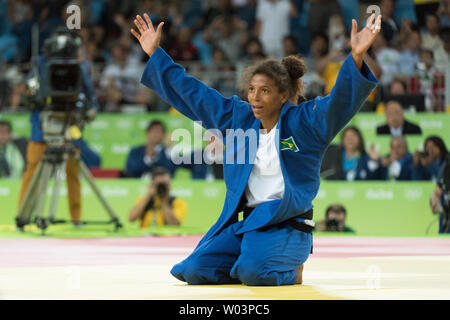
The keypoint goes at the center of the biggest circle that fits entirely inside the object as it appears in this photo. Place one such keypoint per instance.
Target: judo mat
(138, 268)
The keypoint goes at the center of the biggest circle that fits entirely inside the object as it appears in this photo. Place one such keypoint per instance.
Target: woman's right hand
(148, 37)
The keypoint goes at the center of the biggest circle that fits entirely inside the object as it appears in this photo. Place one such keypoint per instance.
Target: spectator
(211, 165)
(320, 12)
(183, 49)
(339, 48)
(409, 57)
(270, 13)
(428, 164)
(396, 88)
(222, 75)
(217, 8)
(389, 27)
(347, 161)
(430, 37)
(388, 58)
(444, 13)
(315, 85)
(319, 51)
(290, 46)
(20, 17)
(430, 82)
(396, 125)
(157, 207)
(334, 221)
(254, 50)
(143, 159)
(337, 34)
(397, 165)
(442, 53)
(247, 13)
(120, 80)
(228, 33)
(12, 161)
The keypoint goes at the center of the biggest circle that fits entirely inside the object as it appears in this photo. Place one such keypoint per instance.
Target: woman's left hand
(361, 41)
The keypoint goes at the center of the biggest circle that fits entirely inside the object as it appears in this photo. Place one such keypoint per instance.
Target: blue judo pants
(254, 258)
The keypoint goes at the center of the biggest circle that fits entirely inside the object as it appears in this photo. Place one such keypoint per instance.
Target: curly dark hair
(286, 73)
(438, 142)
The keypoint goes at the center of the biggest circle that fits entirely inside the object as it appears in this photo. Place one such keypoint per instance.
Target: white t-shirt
(274, 17)
(389, 61)
(266, 180)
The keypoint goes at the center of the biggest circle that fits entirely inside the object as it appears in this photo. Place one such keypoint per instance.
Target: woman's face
(265, 97)
(253, 48)
(432, 149)
(350, 140)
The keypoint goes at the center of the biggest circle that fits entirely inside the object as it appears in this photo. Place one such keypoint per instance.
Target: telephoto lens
(161, 189)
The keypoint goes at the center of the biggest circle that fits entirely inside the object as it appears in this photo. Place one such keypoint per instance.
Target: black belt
(308, 215)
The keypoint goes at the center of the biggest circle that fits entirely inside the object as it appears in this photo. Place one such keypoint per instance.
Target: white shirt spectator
(274, 18)
(126, 79)
(409, 62)
(389, 61)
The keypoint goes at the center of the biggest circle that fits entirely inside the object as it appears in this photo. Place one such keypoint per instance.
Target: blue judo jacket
(312, 125)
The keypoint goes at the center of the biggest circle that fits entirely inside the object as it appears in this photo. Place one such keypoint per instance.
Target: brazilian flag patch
(288, 144)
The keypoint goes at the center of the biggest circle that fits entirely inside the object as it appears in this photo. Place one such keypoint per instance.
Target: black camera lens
(333, 225)
(161, 189)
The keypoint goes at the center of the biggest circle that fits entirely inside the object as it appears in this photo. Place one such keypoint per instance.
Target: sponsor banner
(373, 208)
(112, 135)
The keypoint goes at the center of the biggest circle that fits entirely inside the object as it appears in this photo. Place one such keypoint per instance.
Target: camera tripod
(54, 162)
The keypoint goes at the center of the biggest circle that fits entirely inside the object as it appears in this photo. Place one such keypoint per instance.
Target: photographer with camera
(428, 164)
(60, 82)
(334, 220)
(158, 207)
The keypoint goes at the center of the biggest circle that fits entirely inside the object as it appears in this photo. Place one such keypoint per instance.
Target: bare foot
(299, 279)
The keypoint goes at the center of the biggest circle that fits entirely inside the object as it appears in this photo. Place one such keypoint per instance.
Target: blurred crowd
(216, 39)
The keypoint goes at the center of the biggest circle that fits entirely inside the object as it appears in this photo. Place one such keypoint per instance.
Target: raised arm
(327, 116)
(185, 93)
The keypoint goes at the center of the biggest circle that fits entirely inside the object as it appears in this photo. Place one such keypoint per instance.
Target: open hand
(361, 41)
(147, 36)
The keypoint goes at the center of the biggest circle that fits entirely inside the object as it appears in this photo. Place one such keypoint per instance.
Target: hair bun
(295, 66)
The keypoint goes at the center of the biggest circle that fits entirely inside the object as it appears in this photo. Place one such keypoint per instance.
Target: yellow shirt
(179, 208)
(330, 75)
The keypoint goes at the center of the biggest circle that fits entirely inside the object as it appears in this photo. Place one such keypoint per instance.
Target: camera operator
(158, 207)
(334, 220)
(63, 44)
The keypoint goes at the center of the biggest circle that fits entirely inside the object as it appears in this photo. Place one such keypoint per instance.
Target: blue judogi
(248, 251)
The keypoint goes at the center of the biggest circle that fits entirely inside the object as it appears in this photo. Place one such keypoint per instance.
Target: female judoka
(276, 184)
